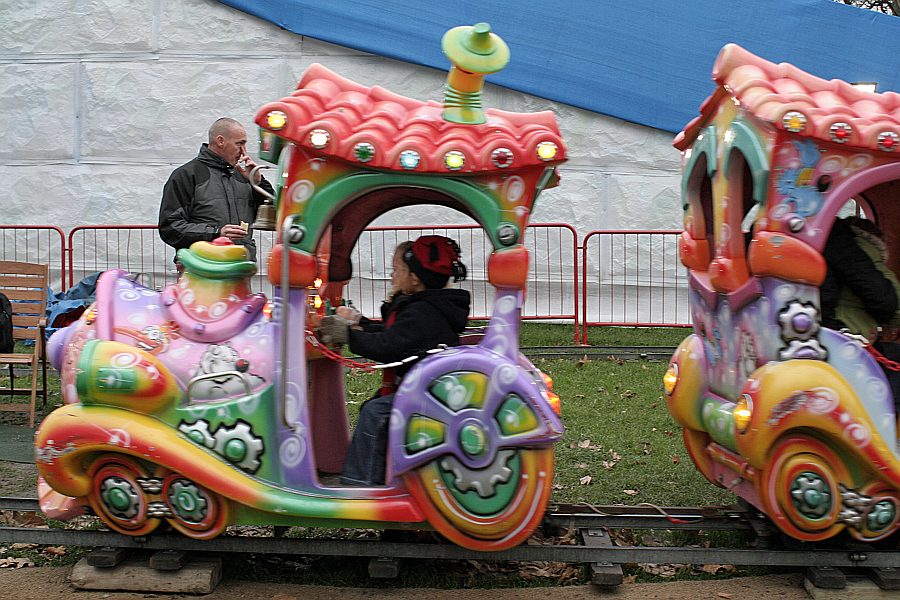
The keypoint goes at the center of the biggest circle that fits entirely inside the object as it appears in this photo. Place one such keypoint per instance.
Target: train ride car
(207, 405)
(794, 417)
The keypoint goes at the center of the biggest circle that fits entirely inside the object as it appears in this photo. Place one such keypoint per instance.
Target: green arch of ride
(754, 152)
(325, 203)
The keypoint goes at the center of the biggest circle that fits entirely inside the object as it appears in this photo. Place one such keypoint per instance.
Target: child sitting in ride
(420, 315)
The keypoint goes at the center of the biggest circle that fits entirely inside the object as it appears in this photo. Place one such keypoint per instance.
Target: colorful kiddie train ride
(206, 405)
(794, 417)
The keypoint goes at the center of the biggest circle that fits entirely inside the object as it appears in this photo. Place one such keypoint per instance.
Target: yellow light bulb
(276, 120)
(547, 150)
(670, 379)
(454, 160)
(794, 121)
(743, 411)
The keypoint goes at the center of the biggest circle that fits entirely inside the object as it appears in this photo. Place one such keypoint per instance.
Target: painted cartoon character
(803, 193)
(222, 373)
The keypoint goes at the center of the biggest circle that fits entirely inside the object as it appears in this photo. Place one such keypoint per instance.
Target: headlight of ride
(670, 379)
(743, 411)
(549, 395)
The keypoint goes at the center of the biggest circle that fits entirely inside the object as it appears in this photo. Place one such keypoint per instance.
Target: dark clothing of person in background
(860, 292)
(203, 195)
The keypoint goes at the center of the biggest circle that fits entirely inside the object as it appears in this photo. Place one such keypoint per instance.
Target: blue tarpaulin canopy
(645, 62)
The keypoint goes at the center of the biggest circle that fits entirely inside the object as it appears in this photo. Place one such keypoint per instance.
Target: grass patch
(619, 433)
(559, 334)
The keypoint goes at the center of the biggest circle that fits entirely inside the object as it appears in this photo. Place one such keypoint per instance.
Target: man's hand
(334, 329)
(244, 165)
(234, 233)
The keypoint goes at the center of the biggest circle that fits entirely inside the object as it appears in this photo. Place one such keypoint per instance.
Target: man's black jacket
(202, 196)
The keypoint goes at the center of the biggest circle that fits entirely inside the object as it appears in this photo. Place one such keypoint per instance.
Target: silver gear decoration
(482, 480)
(799, 329)
(198, 432)
(798, 321)
(124, 486)
(253, 446)
(187, 501)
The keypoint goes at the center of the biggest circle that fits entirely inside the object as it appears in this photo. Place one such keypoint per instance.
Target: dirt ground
(44, 583)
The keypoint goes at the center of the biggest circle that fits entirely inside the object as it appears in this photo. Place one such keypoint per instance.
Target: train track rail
(663, 353)
(595, 545)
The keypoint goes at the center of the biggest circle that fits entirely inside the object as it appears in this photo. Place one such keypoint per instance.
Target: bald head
(223, 126)
(228, 139)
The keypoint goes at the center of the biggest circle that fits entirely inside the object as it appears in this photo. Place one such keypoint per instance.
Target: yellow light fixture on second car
(743, 411)
(670, 379)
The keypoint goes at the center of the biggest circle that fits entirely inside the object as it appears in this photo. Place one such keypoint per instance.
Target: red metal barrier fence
(552, 278)
(633, 278)
(615, 277)
(135, 248)
(41, 244)
(553, 272)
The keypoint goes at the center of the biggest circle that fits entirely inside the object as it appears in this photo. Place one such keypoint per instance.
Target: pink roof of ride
(353, 114)
(769, 91)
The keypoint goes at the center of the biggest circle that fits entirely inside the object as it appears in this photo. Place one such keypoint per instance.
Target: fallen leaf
(675, 459)
(713, 569)
(584, 444)
(582, 361)
(582, 465)
(666, 571)
(646, 448)
(15, 563)
(724, 595)
(631, 492)
(586, 480)
(629, 579)
(55, 550)
(23, 546)
(579, 395)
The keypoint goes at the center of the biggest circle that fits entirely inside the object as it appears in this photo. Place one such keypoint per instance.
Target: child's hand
(334, 329)
(349, 313)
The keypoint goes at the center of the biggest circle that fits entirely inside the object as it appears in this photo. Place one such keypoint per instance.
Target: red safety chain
(331, 354)
(881, 358)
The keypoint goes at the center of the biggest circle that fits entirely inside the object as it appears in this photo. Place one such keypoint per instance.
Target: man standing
(211, 196)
